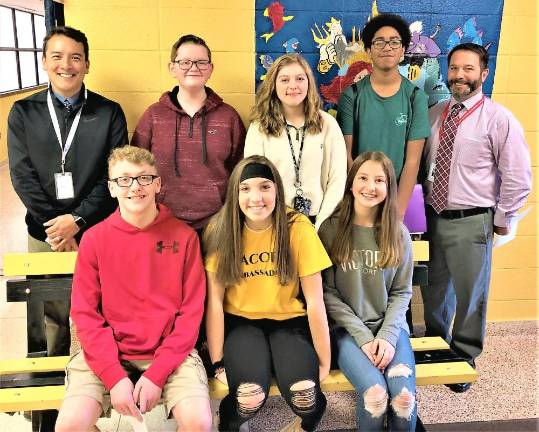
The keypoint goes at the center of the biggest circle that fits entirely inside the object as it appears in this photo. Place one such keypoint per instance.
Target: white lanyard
(56, 125)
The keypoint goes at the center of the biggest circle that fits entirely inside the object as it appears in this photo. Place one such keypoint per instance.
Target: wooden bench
(48, 393)
(50, 397)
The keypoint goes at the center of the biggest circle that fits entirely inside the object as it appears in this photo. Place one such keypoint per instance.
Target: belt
(459, 214)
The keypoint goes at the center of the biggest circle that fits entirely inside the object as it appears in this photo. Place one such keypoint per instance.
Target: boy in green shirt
(385, 111)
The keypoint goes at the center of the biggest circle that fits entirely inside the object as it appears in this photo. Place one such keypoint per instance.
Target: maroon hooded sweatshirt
(195, 155)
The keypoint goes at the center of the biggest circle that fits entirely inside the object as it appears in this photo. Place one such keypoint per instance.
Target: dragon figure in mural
(275, 12)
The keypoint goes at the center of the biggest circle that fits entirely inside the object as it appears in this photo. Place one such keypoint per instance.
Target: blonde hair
(131, 154)
(268, 110)
(388, 231)
(223, 236)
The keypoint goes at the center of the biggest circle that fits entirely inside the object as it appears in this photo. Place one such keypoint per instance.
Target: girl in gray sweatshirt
(367, 292)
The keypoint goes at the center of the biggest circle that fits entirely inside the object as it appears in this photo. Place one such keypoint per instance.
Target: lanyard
(56, 126)
(467, 114)
(297, 162)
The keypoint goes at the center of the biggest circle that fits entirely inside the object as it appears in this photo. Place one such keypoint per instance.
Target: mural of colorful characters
(330, 40)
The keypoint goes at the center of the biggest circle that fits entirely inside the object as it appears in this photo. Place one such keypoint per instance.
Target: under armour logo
(159, 246)
(212, 131)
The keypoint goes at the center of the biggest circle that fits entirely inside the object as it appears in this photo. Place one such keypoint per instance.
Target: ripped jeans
(256, 349)
(376, 390)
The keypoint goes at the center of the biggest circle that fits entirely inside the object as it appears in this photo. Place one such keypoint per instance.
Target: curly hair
(386, 20)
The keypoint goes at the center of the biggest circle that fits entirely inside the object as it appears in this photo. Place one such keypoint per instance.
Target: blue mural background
(326, 33)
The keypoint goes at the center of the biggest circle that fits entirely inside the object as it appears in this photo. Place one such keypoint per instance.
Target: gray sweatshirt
(362, 298)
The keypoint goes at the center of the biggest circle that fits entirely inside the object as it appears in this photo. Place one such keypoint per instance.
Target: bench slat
(19, 264)
(420, 250)
(50, 397)
(426, 374)
(31, 398)
(36, 364)
(52, 364)
(428, 343)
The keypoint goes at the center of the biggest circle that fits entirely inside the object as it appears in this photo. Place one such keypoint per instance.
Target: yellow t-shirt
(259, 294)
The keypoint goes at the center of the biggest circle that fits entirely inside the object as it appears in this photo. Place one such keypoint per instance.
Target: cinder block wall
(130, 43)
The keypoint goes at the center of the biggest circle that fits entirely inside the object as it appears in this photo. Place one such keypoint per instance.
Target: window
(21, 39)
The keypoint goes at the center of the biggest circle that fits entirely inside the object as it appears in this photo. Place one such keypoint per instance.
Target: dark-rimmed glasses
(202, 65)
(380, 44)
(142, 180)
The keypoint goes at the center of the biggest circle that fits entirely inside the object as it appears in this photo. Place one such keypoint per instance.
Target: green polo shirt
(385, 123)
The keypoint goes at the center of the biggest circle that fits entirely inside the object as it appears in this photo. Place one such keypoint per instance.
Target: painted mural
(327, 34)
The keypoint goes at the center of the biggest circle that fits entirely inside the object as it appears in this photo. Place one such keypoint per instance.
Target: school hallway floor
(507, 388)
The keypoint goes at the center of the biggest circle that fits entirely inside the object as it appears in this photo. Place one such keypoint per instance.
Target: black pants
(254, 349)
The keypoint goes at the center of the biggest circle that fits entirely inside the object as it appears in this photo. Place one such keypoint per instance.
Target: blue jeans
(363, 375)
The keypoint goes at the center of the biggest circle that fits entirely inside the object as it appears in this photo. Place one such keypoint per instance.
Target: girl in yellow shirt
(265, 313)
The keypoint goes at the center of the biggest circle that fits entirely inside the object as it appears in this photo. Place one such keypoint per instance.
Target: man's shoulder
(39, 97)
(498, 111)
(436, 109)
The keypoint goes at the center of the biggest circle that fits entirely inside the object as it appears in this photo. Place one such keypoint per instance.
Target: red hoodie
(195, 155)
(138, 294)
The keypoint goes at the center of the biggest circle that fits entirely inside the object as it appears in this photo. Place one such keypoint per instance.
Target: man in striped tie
(479, 175)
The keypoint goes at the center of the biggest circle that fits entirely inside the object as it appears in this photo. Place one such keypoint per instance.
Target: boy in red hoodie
(196, 138)
(137, 302)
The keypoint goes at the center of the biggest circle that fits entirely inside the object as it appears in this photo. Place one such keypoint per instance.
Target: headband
(255, 169)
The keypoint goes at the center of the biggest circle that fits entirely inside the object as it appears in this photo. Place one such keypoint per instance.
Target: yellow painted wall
(5, 106)
(129, 49)
(513, 292)
(130, 42)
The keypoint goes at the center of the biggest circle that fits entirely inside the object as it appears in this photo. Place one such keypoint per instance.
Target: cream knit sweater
(323, 163)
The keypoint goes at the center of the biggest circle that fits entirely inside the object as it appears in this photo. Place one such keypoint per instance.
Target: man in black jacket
(59, 140)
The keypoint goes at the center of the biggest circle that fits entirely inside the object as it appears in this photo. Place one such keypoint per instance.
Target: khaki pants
(189, 380)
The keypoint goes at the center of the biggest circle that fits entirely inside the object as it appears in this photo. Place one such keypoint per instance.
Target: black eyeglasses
(142, 180)
(380, 44)
(202, 65)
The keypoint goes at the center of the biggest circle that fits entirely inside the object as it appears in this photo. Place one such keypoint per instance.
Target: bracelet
(218, 367)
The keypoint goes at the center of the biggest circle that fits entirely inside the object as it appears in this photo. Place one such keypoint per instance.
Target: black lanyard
(297, 163)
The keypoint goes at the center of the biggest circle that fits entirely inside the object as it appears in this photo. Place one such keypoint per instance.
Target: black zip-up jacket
(35, 156)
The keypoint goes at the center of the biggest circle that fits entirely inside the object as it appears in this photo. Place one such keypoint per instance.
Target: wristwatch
(79, 220)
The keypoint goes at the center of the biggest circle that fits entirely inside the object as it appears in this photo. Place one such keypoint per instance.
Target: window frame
(17, 50)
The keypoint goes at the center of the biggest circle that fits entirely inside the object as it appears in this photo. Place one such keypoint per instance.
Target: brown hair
(71, 33)
(268, 111)
(387, 228)
(132, 154)
(475, 48)
(223, 236)
(185, 39)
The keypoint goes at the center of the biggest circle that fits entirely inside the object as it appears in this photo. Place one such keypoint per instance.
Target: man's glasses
(142, 180)
(202, 65)
(380, 44)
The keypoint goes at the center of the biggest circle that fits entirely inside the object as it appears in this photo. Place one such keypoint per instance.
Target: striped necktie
(443, 159)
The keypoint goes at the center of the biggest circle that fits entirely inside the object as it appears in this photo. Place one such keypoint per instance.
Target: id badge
(430, 176)
(64, 185)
